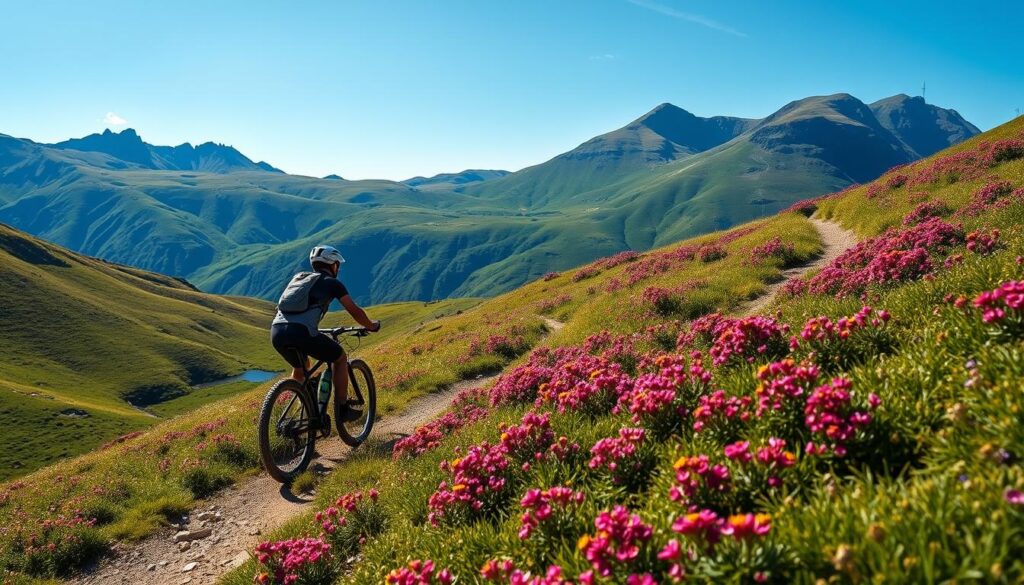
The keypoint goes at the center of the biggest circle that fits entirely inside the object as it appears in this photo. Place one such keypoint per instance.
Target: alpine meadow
(772, 334)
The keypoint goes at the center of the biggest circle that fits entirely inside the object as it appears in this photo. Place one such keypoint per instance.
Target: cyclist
(303, 304)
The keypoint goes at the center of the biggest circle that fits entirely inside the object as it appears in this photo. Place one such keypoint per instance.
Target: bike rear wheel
(287, 435)
(361, 403)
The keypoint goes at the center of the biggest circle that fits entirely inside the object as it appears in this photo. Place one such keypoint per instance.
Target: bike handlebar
(354, 331)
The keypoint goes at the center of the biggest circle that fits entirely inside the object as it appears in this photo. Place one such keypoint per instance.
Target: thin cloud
(694, 18)
(603, 57)
(113, 119)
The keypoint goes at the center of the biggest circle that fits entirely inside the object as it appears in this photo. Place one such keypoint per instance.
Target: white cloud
(112, 119)
(603, 57)
(694, 18)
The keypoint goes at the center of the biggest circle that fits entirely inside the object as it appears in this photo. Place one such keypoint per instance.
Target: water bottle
(325, 389)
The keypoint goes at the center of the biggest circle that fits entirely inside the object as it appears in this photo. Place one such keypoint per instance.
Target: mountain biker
(298, 330)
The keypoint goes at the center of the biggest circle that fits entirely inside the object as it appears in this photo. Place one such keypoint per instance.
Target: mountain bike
(292, 416)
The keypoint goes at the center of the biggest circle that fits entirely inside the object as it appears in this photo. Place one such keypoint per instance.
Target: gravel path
(834, 239)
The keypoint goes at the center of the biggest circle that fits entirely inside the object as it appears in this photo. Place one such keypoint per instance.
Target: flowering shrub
(721, 416)
(773, 248)
(299, 560)
(782, 385)
(1003, 306)
(925, 211)
(698, 481)
(847, 341)
(586, 384)
(666, 301)
(710, 253)
(617, 259)
(989, 196)
(551, 276)
(548, 512)
(706, 528)
(617, 542)
(621, 457)
(661, 400)
(477, 487)
(743, 340)
(520, 385)
(981, 242)
(529, 439)
(418, 572)
(53, 545)
(347, 524)
(548, 305)
(508, 347)
(585, 273)
(506, 571)
(831, 416)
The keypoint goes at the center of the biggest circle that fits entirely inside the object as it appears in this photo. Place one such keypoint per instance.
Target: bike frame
(310, 389)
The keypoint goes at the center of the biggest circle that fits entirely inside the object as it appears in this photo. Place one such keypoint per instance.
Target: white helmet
(325, 255)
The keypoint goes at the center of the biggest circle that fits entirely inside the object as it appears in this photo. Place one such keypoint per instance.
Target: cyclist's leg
(324, 348)
(341, 379)
(284, 339)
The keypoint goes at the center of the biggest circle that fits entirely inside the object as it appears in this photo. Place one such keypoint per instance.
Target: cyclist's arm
(357, 313)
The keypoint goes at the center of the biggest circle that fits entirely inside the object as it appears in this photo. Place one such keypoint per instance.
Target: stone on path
(198, 533)
(189, 567)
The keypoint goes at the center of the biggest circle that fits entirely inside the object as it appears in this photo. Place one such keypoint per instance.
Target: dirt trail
(244, 513)
(834, 238)
(552, 325)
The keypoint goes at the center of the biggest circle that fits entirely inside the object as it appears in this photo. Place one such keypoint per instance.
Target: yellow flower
(458, 487)
(583, 542)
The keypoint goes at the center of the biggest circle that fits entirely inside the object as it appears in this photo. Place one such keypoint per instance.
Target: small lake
(256, 376)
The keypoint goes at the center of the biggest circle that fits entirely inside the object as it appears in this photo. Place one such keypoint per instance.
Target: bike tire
(361, 382)
(269, 444)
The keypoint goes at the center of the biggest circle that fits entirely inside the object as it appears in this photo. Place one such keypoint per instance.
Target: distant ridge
(128, 146)
(456, 179)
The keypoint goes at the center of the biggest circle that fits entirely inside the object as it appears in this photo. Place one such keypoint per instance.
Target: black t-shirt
(324, 291)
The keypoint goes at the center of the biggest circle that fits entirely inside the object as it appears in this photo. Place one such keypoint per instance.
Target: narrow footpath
(835, 240)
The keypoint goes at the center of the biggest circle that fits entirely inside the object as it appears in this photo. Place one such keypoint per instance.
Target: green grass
(198, 397)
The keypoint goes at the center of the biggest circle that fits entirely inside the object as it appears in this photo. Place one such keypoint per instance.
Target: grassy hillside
(83, 340)
(869, 429)
(666, 176)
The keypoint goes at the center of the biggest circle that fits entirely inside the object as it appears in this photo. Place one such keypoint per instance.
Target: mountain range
(229, 225)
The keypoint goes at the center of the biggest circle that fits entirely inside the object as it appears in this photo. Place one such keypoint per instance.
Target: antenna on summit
(924, 86)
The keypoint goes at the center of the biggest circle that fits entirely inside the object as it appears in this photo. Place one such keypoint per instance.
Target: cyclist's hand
(376, 326)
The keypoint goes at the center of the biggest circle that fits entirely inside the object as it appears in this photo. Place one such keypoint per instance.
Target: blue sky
(375, 89)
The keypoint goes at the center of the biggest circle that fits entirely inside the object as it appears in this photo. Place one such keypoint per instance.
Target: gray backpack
(295, 298)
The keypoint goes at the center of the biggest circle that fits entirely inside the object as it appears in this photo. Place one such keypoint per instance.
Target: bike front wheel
(287, 435)
(356, 416)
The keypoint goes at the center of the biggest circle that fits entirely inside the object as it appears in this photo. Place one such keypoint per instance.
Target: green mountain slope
(83, 339)
(233, 227)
